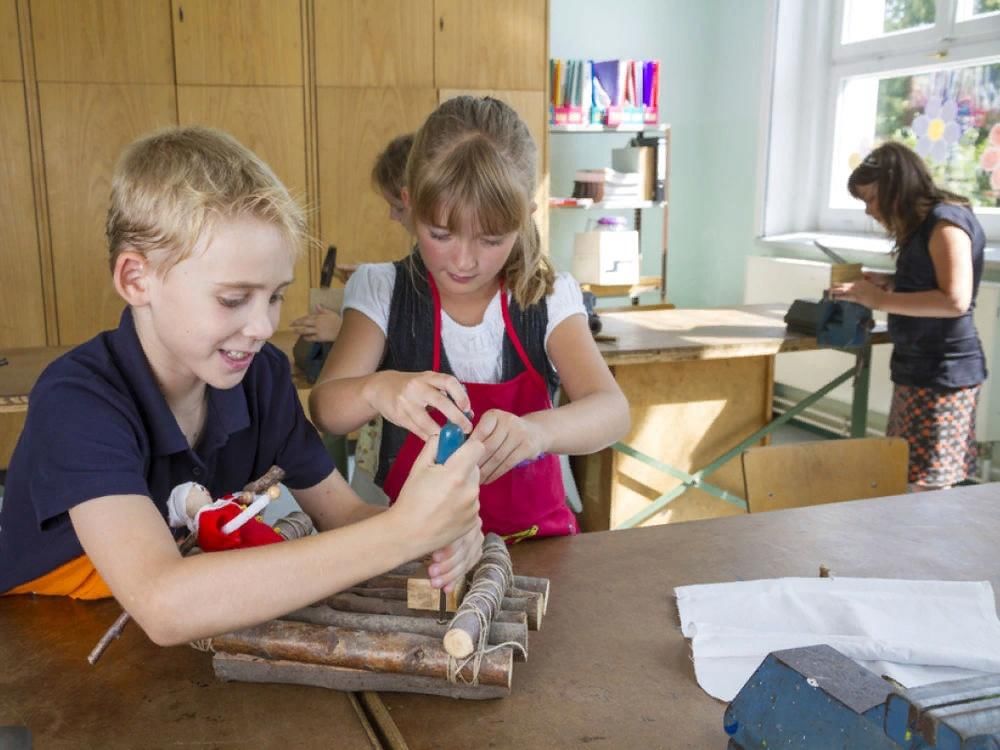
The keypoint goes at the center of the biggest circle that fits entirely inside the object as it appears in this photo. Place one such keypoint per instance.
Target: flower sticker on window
(990, 160)
(936, 129)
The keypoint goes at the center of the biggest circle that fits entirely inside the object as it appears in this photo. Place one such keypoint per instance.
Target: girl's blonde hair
(474, 158)
(173, 185)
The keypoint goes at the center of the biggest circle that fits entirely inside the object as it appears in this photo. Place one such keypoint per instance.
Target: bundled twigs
(367, 638)
(293, 527)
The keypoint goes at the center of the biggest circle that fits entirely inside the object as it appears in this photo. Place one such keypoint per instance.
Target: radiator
(798, 373)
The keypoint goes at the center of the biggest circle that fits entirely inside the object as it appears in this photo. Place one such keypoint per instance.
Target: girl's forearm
(930, 304)
(339, 406)
(584, 426)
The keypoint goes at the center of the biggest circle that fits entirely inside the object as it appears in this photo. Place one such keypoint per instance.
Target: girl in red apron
(474, 327)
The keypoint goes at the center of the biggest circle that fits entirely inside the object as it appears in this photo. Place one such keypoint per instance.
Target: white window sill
(858, 248)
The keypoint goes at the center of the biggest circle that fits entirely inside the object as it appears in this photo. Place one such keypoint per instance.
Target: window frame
(803, 108)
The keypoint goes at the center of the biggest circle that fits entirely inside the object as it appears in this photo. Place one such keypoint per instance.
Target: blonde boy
(203, 239)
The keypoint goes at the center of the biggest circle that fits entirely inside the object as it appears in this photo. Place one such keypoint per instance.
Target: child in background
(323, 324)
(203, 239)
(476, 326)
(937, 364)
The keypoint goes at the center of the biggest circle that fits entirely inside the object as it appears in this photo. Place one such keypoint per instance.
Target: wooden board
(611, 667)
(375, 43)
(10, 50)
(824, 471)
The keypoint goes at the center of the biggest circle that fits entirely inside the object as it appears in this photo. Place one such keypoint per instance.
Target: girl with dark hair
(937, 365)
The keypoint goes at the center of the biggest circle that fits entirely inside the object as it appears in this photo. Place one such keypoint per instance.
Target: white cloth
(916, 632)
(474, 352)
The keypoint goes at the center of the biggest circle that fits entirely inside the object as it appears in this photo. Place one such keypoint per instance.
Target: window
(922, 72)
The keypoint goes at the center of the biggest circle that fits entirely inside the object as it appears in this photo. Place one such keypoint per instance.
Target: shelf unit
(646, 283)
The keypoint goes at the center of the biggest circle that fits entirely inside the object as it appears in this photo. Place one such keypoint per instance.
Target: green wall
(713, 77)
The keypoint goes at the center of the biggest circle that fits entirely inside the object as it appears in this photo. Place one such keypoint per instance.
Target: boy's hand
(507, 441)
(440, 502)
(451, 563)
(323, 325)
(404, 397)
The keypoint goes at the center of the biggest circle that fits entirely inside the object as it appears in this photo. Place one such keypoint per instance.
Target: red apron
(528, 500)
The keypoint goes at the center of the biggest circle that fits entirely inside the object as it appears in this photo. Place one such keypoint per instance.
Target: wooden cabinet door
(375, 43)
(270, 122)
(238, 42)
(486, 45)
(86, 126)
(102, 41)
(22, 315)
(10, 50)
(355, 124)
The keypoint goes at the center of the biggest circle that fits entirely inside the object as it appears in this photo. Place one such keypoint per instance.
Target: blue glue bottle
(449, 441)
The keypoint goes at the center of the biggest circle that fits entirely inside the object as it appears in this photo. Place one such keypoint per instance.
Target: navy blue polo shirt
(98, 425)
(937, 352)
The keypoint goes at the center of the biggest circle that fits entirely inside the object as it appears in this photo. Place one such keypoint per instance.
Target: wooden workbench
(609, 668)
(697, 382)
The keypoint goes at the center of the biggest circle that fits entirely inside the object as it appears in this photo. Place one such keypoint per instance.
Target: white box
(606, 257)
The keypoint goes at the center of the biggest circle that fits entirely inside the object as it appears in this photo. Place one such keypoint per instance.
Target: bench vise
(815, 697)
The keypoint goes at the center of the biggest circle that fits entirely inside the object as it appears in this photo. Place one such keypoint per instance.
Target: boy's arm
(332, 503)
(177, 599)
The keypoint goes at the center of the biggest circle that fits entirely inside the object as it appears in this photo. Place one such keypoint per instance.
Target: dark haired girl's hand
(861, 291)
(405, 397)
(508, 440)
(884, 280)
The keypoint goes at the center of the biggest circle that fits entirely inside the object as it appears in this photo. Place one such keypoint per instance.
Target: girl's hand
(322, 325)
(882, 279)
(507, 441)
(440, 502)
(862, 291)
(404, 397)
(451, 563)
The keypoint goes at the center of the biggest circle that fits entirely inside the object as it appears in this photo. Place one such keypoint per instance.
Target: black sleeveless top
(937, 352)
(410, 336)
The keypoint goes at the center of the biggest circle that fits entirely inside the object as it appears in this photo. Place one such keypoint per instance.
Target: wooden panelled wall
(316, 87)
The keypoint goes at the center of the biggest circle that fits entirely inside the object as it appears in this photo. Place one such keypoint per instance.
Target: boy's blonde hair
(474, 158)
(173, 185)
(389, 171)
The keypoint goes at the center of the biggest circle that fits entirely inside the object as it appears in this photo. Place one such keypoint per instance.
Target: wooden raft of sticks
(366, 638)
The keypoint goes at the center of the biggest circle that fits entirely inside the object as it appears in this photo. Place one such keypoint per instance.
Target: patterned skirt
(940, 426)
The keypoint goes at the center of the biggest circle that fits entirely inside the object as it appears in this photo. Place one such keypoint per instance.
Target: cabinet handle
(441, 23)
(180, 13)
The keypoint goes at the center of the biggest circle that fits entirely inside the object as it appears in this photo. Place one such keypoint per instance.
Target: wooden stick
(486, 594)
(500, 632)
(244, 668)
(399, 653)
(271, 477)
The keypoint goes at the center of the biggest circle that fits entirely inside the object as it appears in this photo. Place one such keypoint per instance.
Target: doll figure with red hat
(231, 522)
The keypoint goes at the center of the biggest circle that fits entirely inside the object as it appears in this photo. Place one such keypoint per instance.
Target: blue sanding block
(449, 441)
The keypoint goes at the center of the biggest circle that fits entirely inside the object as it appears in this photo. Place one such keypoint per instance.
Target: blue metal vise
(814, 698)
(836, 323)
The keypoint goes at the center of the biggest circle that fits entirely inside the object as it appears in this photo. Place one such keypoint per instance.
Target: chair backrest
(823, 471)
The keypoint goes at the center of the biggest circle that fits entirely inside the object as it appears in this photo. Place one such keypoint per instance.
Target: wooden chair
(823, 471)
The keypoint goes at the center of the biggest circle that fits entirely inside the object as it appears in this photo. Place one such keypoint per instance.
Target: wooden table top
(703, 333)
(610, 668)
(141, 695)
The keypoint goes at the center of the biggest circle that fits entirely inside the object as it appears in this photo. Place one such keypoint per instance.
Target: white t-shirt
(474, 352)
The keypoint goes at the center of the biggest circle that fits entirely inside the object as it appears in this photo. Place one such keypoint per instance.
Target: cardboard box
(603, 257)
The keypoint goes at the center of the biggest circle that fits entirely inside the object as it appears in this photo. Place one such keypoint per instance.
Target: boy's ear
(404, 196)
(131, 277)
